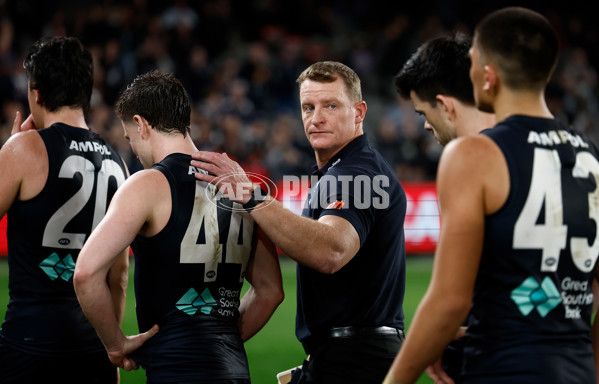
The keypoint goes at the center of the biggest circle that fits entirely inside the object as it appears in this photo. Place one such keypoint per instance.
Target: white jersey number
(54, 234)
(551, 236)
(210, 252)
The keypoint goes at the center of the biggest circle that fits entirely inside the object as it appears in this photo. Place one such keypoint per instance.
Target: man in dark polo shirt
(349, 241)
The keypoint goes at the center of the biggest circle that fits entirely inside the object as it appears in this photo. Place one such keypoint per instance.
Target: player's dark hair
(62, 70)
(441, 66)
(330, 71)
(521, 43)
(158, 97)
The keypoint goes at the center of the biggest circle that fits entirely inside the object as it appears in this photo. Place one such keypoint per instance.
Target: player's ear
(143, 127)
(491, 79)
(447, 104)
(36, 94)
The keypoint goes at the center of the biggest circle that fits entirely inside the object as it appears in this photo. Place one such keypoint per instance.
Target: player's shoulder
(148, 185)
(472, 160)
(24, 147)
(469, 148)
(146, 178)
(26, 141)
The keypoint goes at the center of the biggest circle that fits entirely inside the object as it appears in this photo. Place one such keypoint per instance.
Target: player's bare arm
(472, 161)
(24, 168)
(333, 240)
(266, 292)
(118, 278)
(127, 214)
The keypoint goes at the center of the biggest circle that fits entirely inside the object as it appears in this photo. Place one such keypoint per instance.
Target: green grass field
(275, 348)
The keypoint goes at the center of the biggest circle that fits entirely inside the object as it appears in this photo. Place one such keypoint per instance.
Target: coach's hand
(121, 357)
(226, 174)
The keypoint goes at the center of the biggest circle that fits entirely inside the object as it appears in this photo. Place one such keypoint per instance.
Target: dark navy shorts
(18, 367)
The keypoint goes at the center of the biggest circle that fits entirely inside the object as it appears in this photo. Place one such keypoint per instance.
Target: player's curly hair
(62, 70)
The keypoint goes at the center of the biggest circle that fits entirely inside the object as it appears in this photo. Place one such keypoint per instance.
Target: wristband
(258, 196)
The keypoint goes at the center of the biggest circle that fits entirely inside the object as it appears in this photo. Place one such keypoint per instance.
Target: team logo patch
(531, 295)
(335, 205)
(191, 302)
(56, 267)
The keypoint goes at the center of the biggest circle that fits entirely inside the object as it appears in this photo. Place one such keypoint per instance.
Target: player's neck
(172, 144)
(472, 121)
(509, 103)
(66, 115)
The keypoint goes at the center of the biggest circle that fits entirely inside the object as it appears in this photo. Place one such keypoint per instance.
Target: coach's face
(331, 119)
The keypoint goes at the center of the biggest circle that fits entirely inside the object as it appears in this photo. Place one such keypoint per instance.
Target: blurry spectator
(387, 140)
(201, 131)
(197, 74)
(153, 52)
(285, 70)
(56, 25)
(232, 143)
(237, 102)
(392, 49)
(579, 80)
(217, 26)
(180, 15)
(554, 95)
(116, 74)
(256, 70)
(7, 58)
(180, 22)
(283, 156)
(257, 133)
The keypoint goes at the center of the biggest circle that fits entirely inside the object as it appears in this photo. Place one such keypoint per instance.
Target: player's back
(45, 235)
(533, 298)
(188, 280)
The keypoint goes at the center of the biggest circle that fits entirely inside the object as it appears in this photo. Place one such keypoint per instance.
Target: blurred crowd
(239, 61)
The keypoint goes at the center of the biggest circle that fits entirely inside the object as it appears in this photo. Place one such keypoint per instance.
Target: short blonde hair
(330, 71)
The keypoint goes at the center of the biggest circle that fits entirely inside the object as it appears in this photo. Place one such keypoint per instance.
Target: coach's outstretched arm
(333, 241)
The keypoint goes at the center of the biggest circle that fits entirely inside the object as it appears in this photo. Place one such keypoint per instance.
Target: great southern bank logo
(531, 295)
(56, 267)
(192, 302)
